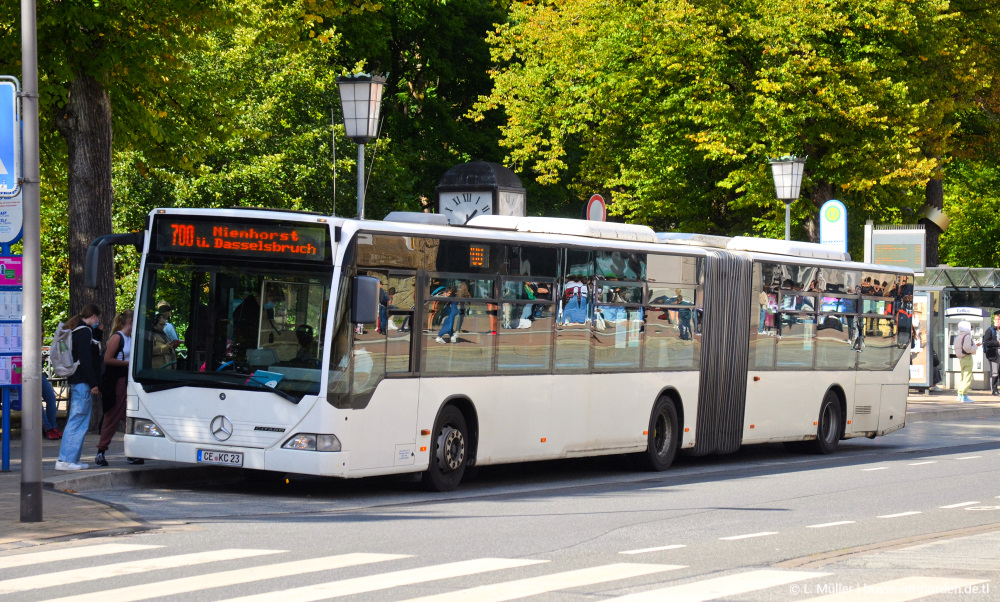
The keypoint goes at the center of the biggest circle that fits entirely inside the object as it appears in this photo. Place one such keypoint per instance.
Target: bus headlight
(141, 426)
(313, 442)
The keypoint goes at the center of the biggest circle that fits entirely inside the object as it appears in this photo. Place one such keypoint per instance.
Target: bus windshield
(229, 325)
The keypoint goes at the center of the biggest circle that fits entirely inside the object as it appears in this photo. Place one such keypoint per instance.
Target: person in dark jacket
(991, 348)
(84, 383)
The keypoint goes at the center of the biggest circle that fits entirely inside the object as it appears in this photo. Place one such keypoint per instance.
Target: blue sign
(833, 225)
(10, 139)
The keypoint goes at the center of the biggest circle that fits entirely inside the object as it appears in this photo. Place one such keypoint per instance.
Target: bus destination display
(240, 239)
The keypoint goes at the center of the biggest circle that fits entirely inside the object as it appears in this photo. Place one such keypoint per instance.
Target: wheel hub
(450, 449)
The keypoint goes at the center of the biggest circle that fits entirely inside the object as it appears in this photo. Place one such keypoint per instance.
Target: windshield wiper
(163, 385)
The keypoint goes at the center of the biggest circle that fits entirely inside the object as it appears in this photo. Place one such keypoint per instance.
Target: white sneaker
(439, 340)
(69, 466)
(454, 338)
(967, 399)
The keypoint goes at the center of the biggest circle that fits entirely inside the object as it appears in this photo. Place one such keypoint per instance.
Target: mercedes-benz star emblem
(222, 428)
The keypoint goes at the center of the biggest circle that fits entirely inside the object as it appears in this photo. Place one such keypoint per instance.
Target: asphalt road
(914, 515)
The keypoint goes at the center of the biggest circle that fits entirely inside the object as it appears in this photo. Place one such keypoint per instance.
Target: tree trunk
(85, 123)
(934, 194)
(821, 194)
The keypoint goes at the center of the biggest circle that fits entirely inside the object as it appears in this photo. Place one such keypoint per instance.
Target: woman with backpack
(84, 384)
(115, 381)
(965, 347)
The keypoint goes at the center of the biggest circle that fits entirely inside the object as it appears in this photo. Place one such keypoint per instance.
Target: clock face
(460, 207)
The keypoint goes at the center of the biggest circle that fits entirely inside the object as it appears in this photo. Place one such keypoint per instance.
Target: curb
(951, 414)
(125, 479)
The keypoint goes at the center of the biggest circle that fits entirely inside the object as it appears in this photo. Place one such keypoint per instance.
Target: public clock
(460, 207)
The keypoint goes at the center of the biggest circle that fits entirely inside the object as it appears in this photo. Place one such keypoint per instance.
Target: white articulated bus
(351, 348)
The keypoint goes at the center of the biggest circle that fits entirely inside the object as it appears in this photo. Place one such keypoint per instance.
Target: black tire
(829, 426)
(663, 436)
(449, 451)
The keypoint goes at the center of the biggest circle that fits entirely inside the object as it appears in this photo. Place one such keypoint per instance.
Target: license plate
(208, 456)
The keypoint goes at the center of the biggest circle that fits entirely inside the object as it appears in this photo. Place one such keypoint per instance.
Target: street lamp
(787, 172)
(361, 101)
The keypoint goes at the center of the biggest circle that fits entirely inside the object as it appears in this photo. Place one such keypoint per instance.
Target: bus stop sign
(10, 140)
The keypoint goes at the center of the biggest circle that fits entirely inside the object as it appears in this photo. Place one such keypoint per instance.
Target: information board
(900, 247)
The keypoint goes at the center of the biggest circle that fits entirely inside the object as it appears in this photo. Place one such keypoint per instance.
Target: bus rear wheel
(449, 451)
(829, 426)
(661, 444)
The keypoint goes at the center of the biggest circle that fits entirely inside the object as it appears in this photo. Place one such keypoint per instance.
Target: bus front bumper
(331, 464)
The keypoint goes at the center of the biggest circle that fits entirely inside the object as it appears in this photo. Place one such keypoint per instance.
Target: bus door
(381, 351)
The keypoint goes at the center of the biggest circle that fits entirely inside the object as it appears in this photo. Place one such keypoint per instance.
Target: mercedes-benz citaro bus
(349, 348)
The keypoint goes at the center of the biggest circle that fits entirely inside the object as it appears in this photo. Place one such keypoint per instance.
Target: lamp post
(787, 172)
(361, 101)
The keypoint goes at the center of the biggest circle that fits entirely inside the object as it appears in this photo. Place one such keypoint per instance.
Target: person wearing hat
(965, 347)
(164, 308)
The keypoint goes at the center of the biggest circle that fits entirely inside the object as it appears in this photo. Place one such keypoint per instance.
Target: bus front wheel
(661, 446)
(449, 451)
(829, 426)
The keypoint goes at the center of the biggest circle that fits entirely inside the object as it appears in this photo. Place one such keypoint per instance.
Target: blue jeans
(51, 405)
(448, 324)
(77, 424)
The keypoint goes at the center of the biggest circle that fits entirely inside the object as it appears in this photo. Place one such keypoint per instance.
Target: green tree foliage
(676, 105)
(972, 201)
(436, 60)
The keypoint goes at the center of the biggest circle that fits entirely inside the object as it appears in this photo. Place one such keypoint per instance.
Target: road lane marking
(186, 585)
(659, 549)
(533, 586)
(93, 573)
(969, 458)
(922, 463)
(878, 468)
(373, 583)
(720, 587)
(9, 562)
(901, 590)
(910, 513)
(958, 505)
(749, 535)
(836, 524)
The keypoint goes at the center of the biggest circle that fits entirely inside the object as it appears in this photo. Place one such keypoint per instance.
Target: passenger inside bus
(305, 356)
(164, 350)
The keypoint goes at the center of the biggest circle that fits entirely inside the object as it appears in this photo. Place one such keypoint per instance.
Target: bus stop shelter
(941, 297)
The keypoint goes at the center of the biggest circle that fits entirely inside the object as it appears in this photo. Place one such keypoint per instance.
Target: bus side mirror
(364, 300)
(92, 264)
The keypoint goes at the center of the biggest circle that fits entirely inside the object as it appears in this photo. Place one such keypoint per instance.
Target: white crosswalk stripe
(720, 587)
(22, 584)
(9, 562)
(502, 589)
(360, 585)
(902, 590)
(226, 578)
(522, 588)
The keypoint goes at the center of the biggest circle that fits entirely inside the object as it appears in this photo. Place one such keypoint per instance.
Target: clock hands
(471, 215)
